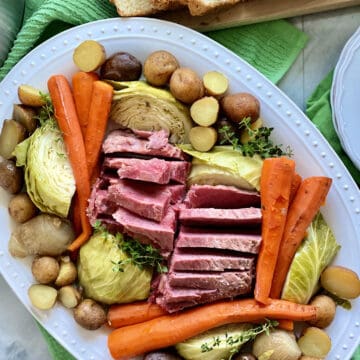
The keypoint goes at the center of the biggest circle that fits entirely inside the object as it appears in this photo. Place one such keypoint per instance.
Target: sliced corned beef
(220, 217)
(221, 197)
(161, 234)
(207, 260)
(152, 170)
(145, 199)
(211, 280)
(219, 238)
(120, 141)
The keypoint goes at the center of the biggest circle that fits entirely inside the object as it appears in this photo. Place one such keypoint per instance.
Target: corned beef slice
(120, 141)
(153, 170)
(207, 260)
(215, 238)
(161, 234)
(221, 197)
(212, 280)
(145, 199)
(220, 217)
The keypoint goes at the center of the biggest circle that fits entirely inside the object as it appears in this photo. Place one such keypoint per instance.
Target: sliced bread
(201, 7)
(162, 5)
(143, 7)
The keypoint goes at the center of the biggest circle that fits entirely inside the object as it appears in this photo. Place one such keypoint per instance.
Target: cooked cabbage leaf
(223, 165)
(138, 105)
(48, 174)
(101, 277)
(314, 254)
(222, 342)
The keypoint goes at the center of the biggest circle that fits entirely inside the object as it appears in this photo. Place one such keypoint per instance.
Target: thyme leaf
(46, 111)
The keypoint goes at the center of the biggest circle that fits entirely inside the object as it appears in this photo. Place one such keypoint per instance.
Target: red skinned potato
(121, 66)
(239, 106)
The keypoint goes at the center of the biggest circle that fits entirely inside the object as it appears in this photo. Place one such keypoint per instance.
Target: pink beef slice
(215, 238)
(221, 197)
(151, 170)
(208, 260)
(145, 199)
(156, 144)
(220, 217)
(159, 234)
(211, 280)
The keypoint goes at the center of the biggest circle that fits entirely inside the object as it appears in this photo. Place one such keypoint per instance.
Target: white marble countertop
(328, 32)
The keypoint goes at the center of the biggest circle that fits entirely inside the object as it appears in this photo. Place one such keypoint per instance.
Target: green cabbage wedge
(106, 273)
(48, 174)
(314, 254)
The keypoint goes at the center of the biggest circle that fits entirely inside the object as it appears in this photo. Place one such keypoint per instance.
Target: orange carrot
(82, 83)
(307, 202)
(296, 181)
(168, 330)
(65, 114)
(275, 186)
(286, 324)
(129, 314)
(97, 122)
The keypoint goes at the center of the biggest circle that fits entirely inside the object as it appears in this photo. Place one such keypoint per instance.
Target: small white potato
(314, 342)
(326, 308)
(68, 272)
(215, 83)
(202, 138)
(205, 111)
(45, 269)
(89, 55)
(30, 96)
(69, 296)
(43, 297)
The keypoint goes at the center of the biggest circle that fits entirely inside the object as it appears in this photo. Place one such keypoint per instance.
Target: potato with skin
(30, 96)
(304, 357)
(26, 116)
(45, 269)
(314, 342)
(21, 208)
(186, 86)
(67, 273)
(202, 138)
(89, 55)
(341, 282)
(11, 176)
(42, 235)
(90, 315)
(244, 356)
(69, 296)
(43, 297)
(215, 83)
(205, 111)
(12, 133)
(240, 106)
(326, 308)
(121, 66)
(161, 355)
(159, 66)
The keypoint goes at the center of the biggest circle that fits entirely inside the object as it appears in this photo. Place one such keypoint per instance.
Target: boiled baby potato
(341, 282)
(30, 96)
(205, 111)
(121, 66)
(45, 269)
(326, 308)
(69, 296)
(314, 342)
(89, 55)
(240, 106)
(215, 83)
(42, 297)
(68, 272)
(159, 66)
(202, 138)
(26, 116)
(11, 176)
(89, 314)
(12, 133)
(186, 86)
(21, 208)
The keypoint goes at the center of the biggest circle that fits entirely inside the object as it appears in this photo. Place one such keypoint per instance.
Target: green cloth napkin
(270, 47)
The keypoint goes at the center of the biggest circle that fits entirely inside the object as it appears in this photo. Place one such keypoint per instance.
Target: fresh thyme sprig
(46, 111)
(237, 341)
(141, 255)
(259, 141)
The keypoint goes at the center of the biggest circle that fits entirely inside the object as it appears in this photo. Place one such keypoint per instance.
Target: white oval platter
(313, 155)
(345, 98)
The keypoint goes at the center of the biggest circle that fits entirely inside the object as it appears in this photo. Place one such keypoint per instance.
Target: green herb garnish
(46, 111)
(259, 143)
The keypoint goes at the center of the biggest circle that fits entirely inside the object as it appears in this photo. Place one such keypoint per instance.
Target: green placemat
(270, 47)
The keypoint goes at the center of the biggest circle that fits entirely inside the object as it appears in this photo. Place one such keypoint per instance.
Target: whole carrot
(168, 330)
(97, 122)
(275, 186)
(306, 204)
(66, 116)
(296, 181)
(134, 313)
(82, 84)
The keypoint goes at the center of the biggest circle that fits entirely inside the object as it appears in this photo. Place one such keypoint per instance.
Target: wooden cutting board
(255, 11)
